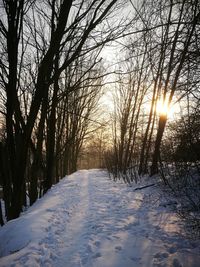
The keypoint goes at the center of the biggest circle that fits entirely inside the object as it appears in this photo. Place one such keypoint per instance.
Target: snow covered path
(88, 220)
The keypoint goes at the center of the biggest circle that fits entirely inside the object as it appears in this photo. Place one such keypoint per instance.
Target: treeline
(160, 70)
(160, 67)
(50, 80)
(51, 76)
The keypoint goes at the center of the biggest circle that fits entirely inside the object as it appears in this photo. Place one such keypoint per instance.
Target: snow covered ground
(88, 220)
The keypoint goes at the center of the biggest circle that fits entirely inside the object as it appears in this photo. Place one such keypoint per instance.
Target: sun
(164, 109)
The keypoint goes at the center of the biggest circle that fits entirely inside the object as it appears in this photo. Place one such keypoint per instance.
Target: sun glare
(162, 108)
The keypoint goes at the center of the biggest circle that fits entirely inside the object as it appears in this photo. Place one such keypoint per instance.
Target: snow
(88, 220)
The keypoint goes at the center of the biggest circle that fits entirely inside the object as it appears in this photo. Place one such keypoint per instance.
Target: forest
(98, 83)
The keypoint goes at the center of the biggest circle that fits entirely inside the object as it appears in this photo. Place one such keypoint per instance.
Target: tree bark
(156, 154)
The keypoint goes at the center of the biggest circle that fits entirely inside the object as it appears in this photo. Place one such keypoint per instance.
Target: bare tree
(44, 39)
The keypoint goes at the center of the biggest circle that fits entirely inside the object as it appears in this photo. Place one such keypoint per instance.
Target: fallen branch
(142, 187)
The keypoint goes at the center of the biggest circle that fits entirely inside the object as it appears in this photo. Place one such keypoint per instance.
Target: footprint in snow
(97, 243)
(172, 250)
(118, 248)
(84, 261)
(48, 229)
(114, 236)
(131, 225)
(97, 255)
(135, 259)
(50, 210)
(58, 232)
(176, 263)
(161, 255)
(157, 227)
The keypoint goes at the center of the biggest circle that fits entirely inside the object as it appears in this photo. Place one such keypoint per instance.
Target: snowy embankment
(88, 220)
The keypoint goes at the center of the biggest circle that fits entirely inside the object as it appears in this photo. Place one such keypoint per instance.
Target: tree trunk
(17, 198)
(1, 215)
(37, 167)
(156, 154)
(51, 134)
